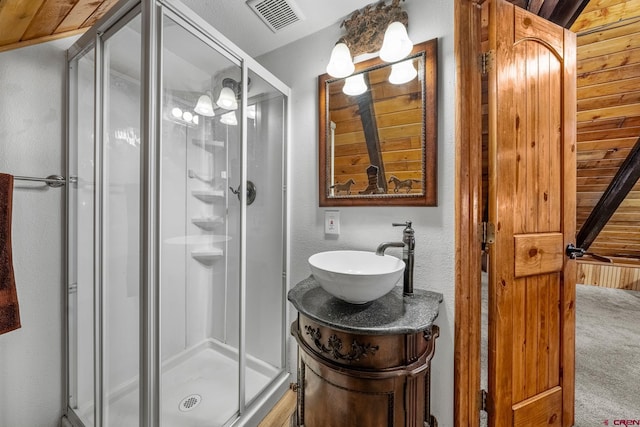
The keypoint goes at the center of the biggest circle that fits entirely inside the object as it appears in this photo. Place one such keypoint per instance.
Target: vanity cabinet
(364, 365)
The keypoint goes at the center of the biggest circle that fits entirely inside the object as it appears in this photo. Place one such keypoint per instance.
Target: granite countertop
(391, 314)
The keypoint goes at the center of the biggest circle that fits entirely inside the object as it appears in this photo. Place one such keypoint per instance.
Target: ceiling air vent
(277, 14)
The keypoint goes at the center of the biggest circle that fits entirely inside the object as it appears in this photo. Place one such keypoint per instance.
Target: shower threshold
(199, 389)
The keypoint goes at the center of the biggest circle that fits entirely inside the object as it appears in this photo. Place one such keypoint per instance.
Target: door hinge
(488, 234)
(486, 61)
(483, 400)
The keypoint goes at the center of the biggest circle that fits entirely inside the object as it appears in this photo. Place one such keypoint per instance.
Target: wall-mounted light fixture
(396, 44)
(376, 27)
(340, 64)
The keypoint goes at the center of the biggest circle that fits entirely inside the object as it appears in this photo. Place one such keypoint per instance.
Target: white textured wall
(298, 65)
(31, 143)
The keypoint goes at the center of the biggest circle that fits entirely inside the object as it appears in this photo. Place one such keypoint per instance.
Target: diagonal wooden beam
(370, 127)
(616, 192)
(547, 8)
(534, 6)
(566, 12)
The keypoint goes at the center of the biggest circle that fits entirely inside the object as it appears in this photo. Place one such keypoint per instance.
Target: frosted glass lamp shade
(354, 85)
(340, 65)
(402, 72)
(227, 99)
(396, 43)
(204, 107)
(229, 118)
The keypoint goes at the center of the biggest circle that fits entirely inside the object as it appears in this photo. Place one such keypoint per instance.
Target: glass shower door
(121, 225)
(200, 231)
(81, 199)
(265, 231)
(104, 224)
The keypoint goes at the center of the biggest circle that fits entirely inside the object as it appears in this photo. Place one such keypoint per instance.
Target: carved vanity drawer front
(363, 351)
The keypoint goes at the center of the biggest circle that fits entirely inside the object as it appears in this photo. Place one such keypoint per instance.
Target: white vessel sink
(356, 276)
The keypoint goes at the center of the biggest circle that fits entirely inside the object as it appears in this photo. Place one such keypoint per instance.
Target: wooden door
(532, 167)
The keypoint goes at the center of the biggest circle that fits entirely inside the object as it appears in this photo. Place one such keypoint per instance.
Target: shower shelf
(207, 223)
(207, 255)
(208, 145)
(207, 196)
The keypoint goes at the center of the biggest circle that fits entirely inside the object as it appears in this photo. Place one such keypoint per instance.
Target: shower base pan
(199, 389)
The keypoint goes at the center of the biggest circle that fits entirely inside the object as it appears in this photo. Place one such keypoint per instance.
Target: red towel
(9, 311)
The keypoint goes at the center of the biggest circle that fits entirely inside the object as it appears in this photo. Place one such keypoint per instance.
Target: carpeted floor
(607, 355)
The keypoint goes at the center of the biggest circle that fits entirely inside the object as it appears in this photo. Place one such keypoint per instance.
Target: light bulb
(187, 116)
(396, 44)
(204, 106)
(340, 65)
(227, 99)
(176, 112)
(402, 72)
(354, 85)
(195, 119)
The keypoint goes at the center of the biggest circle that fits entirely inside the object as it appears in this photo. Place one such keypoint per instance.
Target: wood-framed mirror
(379, 148)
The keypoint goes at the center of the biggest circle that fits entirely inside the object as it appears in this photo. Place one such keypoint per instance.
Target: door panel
(538, 253)
(541, 410)
(532, 204)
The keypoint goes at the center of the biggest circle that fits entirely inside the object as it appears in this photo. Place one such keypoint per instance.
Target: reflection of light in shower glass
(187, 116)
(229, 118)
(195, 119)
(204, 106)
(227, 99)
(402, 72)
(251, 111)
(176, 112)
(354, 85)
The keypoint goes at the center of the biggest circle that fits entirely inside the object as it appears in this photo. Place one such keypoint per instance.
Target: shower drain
(190, 402)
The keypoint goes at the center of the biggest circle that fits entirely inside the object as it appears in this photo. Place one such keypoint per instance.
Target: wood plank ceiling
(27, 22)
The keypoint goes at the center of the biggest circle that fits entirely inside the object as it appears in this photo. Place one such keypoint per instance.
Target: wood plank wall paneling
(27, 22)
(608, 119)
(617, 276)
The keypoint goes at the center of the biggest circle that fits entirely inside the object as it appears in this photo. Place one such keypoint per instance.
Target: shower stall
(177, 238)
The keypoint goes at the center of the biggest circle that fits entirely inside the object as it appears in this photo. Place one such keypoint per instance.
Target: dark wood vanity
(364, 365)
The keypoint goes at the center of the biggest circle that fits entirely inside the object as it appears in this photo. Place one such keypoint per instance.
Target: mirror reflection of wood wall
(381, 127)
(378, 146)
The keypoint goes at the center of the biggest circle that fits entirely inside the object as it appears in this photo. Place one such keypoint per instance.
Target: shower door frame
(152, 13)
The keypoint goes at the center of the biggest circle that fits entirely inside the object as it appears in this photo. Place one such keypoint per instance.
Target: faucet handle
(402, 224)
